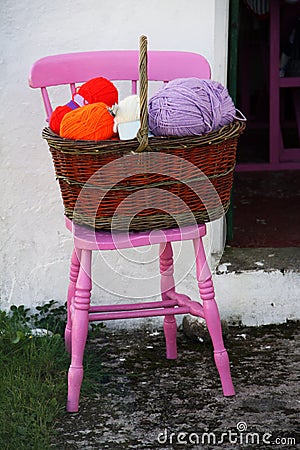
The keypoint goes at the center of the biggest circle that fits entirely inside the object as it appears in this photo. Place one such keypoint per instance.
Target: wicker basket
(148, 182)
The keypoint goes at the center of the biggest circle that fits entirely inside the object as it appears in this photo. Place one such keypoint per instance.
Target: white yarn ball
(127, 110)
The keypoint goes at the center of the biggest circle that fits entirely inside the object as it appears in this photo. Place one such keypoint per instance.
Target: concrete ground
(286, 259)
(144, 401)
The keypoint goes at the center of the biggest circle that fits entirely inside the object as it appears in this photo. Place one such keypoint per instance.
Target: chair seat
(87, 238)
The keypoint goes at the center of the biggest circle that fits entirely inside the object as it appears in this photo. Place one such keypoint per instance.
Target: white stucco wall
(35, 247)
(258, 297)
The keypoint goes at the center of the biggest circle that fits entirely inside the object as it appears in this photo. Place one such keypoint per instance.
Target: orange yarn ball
(93, 91)
(91, 122)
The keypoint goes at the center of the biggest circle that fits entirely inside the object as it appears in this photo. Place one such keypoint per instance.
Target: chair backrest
(115, 65)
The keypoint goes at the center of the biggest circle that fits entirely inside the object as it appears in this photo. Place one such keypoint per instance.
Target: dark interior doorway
(266, 204)
(252, 95)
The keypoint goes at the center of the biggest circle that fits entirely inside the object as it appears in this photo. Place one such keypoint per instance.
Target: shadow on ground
(144, 401)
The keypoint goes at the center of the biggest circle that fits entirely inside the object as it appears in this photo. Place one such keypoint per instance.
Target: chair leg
(80, 324)
(212, 317)
(167, 284)
(74, 271)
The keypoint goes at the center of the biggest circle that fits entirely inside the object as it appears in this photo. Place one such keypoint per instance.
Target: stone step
(258, 286)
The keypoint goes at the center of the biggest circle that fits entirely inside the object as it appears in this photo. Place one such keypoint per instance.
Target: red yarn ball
(57, 116)
(91, 122)
(93, 91)
(99, 90)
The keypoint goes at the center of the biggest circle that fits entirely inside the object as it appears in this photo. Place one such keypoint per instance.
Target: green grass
(33, 383)
(33, 376)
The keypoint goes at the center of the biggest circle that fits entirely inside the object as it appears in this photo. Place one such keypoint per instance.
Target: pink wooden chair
(123, 65)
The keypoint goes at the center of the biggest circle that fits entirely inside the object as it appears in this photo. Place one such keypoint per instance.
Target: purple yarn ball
(190, 106)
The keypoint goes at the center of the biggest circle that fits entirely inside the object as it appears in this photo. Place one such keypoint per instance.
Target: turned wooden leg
(167, 284)
(74, 270)
(80, 324)
(212, 317)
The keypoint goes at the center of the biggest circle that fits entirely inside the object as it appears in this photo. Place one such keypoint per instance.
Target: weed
(51, 316)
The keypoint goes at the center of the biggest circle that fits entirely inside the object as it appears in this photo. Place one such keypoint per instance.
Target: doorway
(266, 203)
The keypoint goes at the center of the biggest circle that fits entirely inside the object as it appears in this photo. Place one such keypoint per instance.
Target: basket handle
(142, 134)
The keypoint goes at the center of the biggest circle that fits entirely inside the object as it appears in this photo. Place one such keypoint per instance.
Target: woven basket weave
(148, 182)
